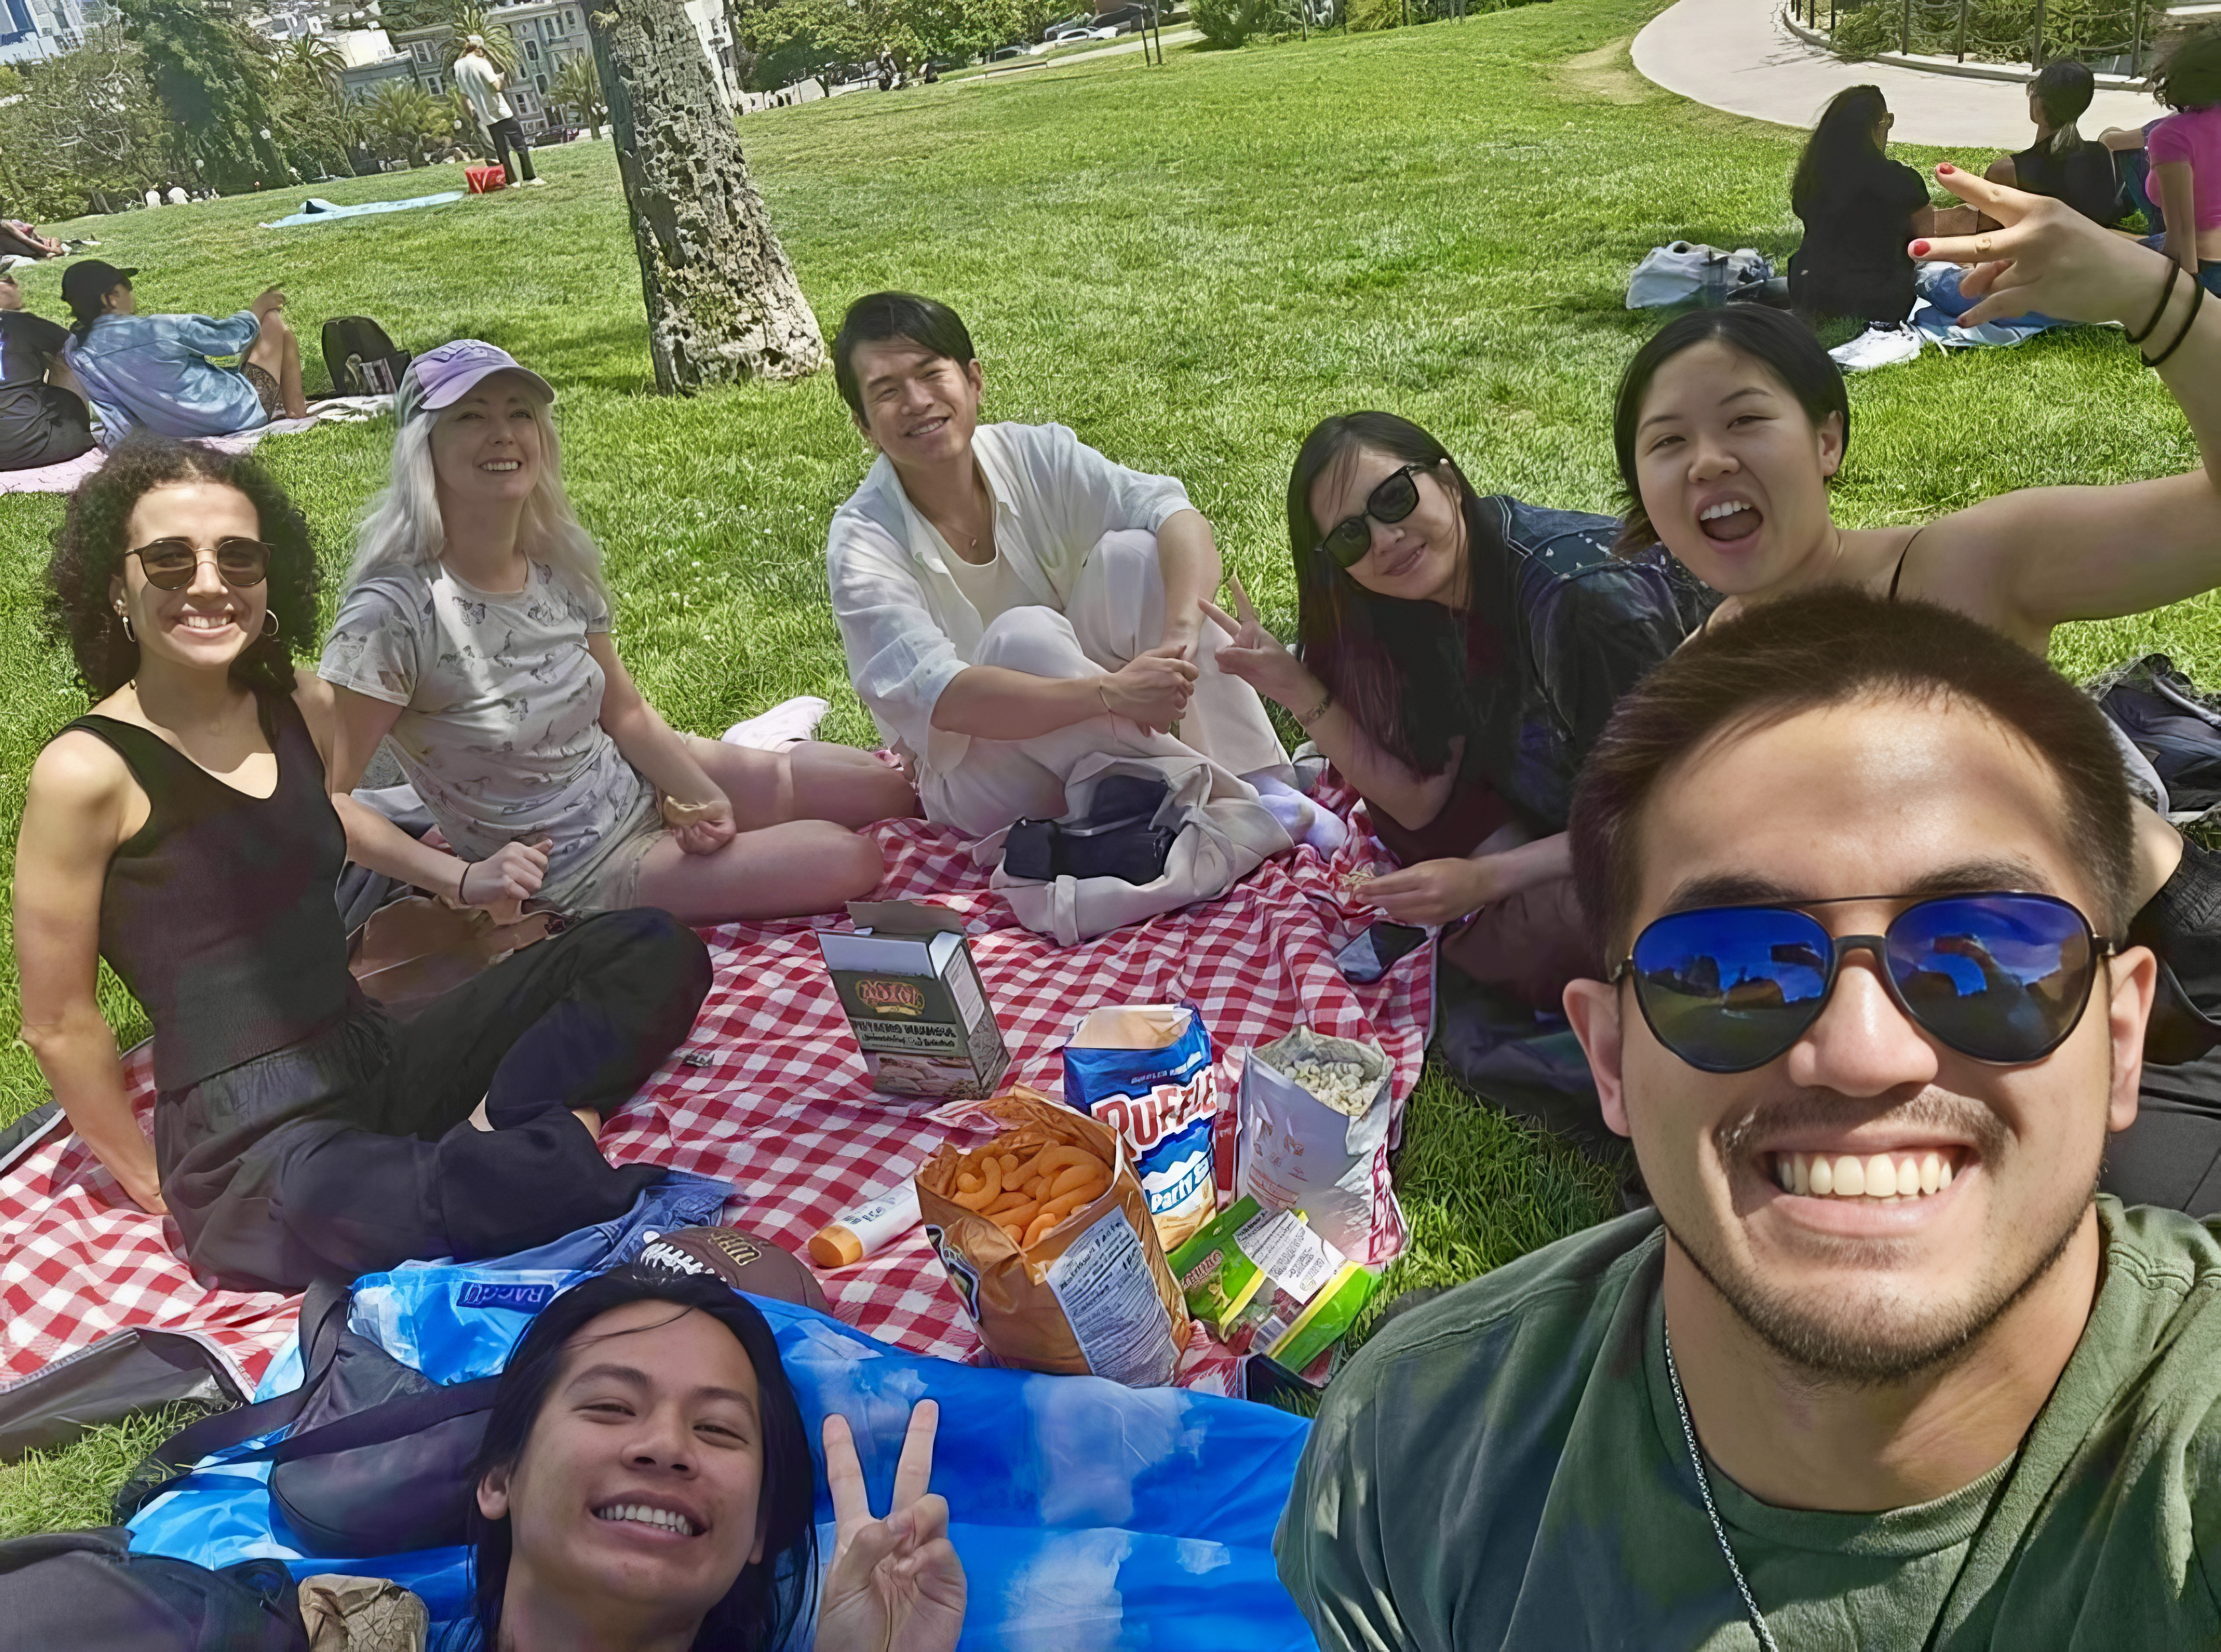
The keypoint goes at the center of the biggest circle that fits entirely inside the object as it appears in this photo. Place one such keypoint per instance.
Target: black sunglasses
(1395, 499)
(2000, 976)
(169, 564)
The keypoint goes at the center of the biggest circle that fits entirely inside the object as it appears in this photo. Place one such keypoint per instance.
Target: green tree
(86, 125)
(467, 18)
(577, 89)
(312, 60)
(212, 73)
(406, 121)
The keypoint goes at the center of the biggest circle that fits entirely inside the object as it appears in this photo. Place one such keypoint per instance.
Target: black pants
(2172, 1154)
(352, 1151)
(507, 134)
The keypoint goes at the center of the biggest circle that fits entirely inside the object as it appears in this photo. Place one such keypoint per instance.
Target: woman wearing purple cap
(475, 632)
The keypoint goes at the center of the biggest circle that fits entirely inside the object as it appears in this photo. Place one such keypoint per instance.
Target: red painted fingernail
(1920, 249)
(1946, 167)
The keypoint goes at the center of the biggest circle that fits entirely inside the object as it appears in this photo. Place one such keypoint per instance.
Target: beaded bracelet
(2166, 292)
(2197, 299)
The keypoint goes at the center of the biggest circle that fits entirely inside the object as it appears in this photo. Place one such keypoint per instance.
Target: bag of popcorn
(1315, 1121)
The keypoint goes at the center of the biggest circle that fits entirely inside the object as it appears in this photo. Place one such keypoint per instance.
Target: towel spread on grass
(65, 477)
(769, 1095)
(318, 211)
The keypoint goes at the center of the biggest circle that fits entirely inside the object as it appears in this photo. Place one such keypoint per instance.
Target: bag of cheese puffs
(1046, 1237)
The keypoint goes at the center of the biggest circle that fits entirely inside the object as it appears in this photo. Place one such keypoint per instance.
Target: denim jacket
(155, 371)
(1589, 626)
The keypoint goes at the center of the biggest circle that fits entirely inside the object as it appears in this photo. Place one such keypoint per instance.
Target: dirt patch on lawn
(1606, 74)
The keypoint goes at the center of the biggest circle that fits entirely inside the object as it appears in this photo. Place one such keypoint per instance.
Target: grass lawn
(1190, 265)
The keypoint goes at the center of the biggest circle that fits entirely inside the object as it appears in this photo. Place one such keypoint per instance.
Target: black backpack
(84, 1589)
(361, 359)
(376, 1456)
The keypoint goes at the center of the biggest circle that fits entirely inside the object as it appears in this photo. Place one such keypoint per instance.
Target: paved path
(1119, 47)
(1738, 55)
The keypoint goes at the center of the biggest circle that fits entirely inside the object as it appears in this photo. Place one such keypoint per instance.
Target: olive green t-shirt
(1504, 1467)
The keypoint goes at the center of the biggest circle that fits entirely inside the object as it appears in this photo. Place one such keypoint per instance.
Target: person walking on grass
(181, 831)
(156, 371)
(1878, 1369)
(475, 629)
(1731, 426)
(482, 83)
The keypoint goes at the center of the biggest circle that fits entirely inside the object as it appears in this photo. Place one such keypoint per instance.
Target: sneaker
(534, 182)
(1878, 346)
(788, 724)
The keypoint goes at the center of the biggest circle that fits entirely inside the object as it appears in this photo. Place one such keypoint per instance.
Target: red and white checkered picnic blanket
(769, 1094)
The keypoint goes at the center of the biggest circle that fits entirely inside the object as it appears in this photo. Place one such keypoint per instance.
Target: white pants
(1116, 611)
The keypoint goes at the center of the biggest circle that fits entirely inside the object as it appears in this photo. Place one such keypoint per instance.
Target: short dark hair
(2063, 90)
(1784, 346)
(1829, 647)
(90, 547)
(878, 316)
(771, 1598)
(2189, 76)
(1398, 666)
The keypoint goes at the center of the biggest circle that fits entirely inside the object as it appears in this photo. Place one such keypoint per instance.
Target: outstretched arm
(2028, 560)
(702, 813)
(895, 1584)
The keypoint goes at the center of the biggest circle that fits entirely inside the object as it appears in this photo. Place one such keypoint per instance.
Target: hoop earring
(123, 618)
(269, 626)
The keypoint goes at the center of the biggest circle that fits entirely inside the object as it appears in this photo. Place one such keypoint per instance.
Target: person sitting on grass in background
(481, 84)
(1858, 209)
(1731, 426)
(1012, 602)
(43, 416)
(2183, 153)
(156, 369)
(1878, 1369)
(2061, 163)
(181, 832)
(1459, 655)
(645, 1485)
(475, 631)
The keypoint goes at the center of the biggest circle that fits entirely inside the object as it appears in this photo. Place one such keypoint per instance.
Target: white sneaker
(788, 724)
(1878, 346)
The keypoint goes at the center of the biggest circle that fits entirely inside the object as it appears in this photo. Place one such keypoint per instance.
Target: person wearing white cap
(481, 83)
(475, 631)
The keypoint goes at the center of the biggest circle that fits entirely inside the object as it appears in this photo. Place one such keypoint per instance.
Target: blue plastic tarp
(1089, 1516)
(316, 209)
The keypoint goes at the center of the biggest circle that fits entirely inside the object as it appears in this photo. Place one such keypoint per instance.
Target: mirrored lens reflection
(1998, 978)
(1728, 990)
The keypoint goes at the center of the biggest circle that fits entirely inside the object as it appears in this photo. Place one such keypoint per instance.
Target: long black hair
(2190, 75)
(1398, 667)
(1784, 346)
(91, 544)
(770, 1600)
(1842, 145)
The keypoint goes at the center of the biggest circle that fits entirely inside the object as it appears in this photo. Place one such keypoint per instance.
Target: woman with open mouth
(1731, 425)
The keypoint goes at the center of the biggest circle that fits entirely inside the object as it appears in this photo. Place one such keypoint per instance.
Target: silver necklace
(1712, 1509)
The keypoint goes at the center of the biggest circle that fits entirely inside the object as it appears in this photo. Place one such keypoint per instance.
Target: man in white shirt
(1012, 601)
(481, 83)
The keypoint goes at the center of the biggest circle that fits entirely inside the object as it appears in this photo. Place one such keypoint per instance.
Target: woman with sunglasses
(181, 831)
(1459, 655)
(1731, 425)
(475, 631)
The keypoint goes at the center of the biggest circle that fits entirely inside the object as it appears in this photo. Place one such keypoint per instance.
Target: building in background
(33, 30)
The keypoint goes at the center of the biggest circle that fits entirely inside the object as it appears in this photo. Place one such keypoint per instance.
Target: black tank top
(220, 913)
(2083, 178)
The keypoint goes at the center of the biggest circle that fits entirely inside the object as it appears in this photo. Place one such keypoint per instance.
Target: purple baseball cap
(440, 378)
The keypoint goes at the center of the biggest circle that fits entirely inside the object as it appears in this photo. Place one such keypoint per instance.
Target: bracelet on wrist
(2166, 292)
(2196, 300)
(1304, 719)
(462, 877)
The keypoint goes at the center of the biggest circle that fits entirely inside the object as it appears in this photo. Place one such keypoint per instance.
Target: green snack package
(1320, 1324)
(1216, 1276)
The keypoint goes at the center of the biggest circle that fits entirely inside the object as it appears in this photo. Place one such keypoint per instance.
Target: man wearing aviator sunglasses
(1879, 1370)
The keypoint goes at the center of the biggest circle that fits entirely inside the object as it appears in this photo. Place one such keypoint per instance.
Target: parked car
(1001, 53)
(1125, 20)
(1057, 30)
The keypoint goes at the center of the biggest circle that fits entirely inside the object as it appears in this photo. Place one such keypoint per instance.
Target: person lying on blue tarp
(646, 1485)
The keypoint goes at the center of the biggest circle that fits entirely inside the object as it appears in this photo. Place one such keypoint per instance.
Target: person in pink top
(2184, 152)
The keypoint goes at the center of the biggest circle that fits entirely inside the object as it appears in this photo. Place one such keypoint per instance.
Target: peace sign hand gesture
(1257, 657)
(896, 1585)
(2047, 258)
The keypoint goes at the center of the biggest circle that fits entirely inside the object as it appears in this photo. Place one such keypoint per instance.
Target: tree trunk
(723, 304)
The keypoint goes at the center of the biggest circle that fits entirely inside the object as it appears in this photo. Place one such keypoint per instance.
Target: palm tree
(577, 88)
(467, 18)
(313, 61)
(405, 117)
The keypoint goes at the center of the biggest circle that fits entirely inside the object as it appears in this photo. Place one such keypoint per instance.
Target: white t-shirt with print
(500, 730)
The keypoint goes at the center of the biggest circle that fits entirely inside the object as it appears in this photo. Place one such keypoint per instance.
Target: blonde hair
(401, 526)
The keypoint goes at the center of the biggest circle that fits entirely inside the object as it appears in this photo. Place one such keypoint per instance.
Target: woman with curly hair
(475, 631)
(182, 831)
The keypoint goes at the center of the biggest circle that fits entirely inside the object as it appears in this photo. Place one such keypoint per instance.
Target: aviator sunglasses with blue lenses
(2002, 977)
